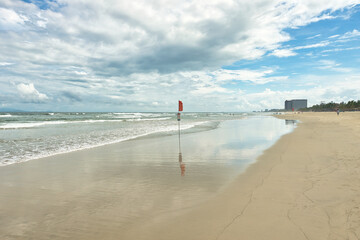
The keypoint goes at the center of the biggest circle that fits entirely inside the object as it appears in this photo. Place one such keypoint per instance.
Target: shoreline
(197, 127)
(306, 186)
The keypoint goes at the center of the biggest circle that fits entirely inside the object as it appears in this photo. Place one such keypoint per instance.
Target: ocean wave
(6, 115)
(38, 124)
(96, 121)
(148, 119)
(70, 146)
(43, 123)
(140, 115)
(129, 113)
(127, 116)
(29, 124)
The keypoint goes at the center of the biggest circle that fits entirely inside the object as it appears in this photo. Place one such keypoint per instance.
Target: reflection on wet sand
(290, 122)
(182, 165)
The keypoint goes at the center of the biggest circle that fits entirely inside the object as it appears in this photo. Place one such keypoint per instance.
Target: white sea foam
(87, 144)
(148, 119)
(138, 115)
(129, 113)
(127, 116)
(6, 115)
(29, 124)
(96, 121)
(38, 124)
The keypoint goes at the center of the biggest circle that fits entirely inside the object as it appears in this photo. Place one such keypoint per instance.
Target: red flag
(180, 106)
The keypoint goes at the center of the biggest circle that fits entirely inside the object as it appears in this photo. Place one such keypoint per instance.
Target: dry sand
(307, 186)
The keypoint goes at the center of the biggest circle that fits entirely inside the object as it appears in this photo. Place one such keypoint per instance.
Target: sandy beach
(306, 186)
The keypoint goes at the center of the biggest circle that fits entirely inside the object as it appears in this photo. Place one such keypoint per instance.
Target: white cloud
(5, 64)
(332, 65)
(28, 92)
(41, 24)
(116, 97)
(246, 75)
(352, 34)
(283, 53)
(326, 64)
(82, 73)
(316, 36)
(340, 49)
(210, 89)
(291, 51)
(9, 18)
(316, 45)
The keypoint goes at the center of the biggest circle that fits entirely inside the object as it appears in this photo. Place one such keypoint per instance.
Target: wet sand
(109, 191)
(307, 186)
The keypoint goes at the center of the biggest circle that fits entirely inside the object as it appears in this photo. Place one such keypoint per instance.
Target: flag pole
(179, 136)
(179, 118)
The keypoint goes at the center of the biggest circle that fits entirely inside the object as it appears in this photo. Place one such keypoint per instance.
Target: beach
(179, 120)
(305, 186)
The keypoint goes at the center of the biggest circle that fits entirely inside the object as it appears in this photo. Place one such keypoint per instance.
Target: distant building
(288, 105)
(295, 104)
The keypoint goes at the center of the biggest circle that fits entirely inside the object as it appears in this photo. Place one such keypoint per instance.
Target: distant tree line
(331, 106)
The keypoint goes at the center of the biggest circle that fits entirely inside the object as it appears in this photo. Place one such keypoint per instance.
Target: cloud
(3, 64)
(69, 95)
(315, 36)
(254, 76)
(340, 49)
(332, 65)
(29, 93)
(326, 64)
(80, 73)
(283, 53)
(291, 51)
(316, 45)
(114, 38)
(352, 34)
(208, 89)
(10, 19)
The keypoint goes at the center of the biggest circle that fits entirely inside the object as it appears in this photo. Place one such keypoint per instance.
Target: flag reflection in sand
(181, 164)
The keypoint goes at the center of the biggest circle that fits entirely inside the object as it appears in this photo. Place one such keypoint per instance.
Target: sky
(145, 55)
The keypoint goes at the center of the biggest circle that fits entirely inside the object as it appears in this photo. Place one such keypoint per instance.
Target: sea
(26, 136)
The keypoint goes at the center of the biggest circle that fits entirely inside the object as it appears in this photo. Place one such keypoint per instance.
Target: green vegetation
(331, 106)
